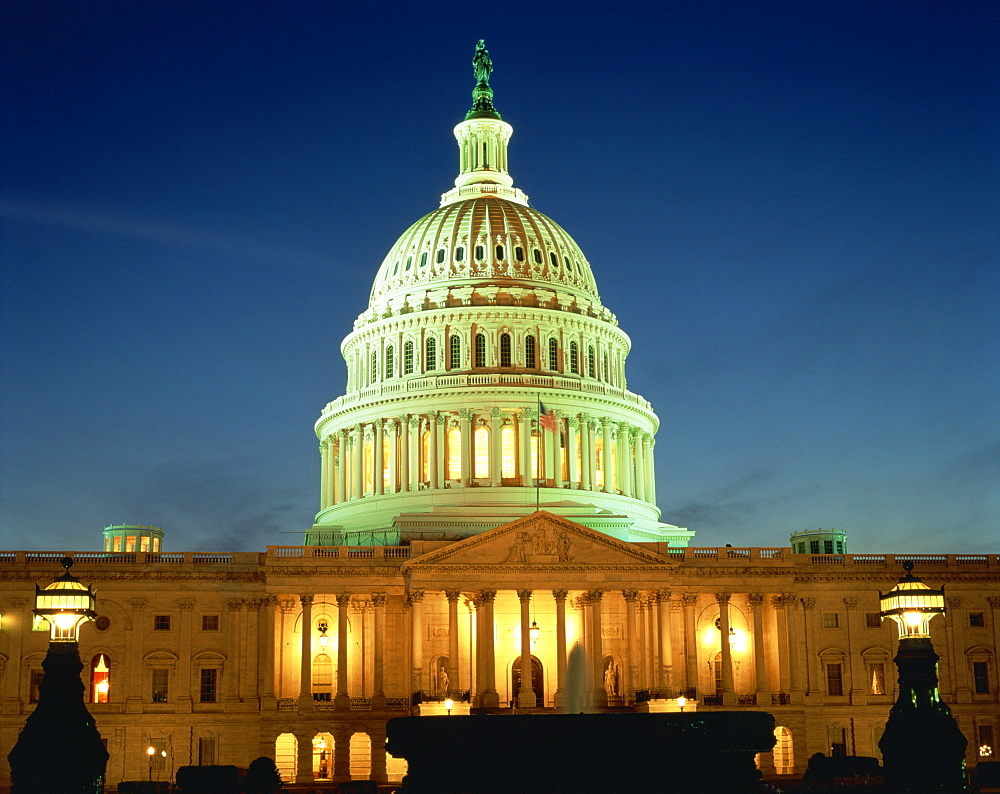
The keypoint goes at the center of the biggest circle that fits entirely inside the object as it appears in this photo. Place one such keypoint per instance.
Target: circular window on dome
(103, 623)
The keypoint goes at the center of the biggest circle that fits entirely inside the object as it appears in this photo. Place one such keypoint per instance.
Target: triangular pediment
(541, 539)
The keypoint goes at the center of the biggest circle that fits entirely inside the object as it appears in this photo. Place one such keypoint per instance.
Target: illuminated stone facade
(430, 572)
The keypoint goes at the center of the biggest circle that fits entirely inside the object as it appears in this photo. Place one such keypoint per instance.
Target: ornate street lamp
(60, 718)
(922, 746)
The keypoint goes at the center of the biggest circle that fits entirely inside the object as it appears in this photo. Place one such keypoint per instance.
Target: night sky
(791, 206)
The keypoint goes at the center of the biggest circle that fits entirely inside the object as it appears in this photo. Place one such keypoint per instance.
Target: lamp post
(922, 747)
(150, 751)
(60, 718)
(681, 703)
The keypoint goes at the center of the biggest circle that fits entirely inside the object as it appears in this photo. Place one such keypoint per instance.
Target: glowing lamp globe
(65, 604)
(911, 604)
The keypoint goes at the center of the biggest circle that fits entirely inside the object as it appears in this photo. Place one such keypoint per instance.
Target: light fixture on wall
(533, 632)
(323, 627)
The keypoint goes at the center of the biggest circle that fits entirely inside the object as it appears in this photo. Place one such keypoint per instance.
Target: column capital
(664, 594)
(689, 599)
(465, 413)
(790, 599)
(560, 595)
(630, 595)
(755, 599)
(452, 595)
(487, 596)
(808, 603)
(414, 421)
(343, 601)
(287, 605)
(595, 596)
(994, 601)
(306, 600)
(851, 603)
(954, 602)
(415, 596)
(138, 604)
(574, 422)
(186, 604)
(234, 604)
(723, 598)
(378, 599)
(524, 595)
(494, 412)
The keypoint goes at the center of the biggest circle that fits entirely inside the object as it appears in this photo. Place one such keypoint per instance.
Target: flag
(547, 417)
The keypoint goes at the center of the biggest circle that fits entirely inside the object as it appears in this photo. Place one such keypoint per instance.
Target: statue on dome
(481, 63)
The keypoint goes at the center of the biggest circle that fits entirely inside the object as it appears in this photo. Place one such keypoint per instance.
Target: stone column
(859, 683)
(378, 770)
(341, 754)
(237, 656)
(404, 453)
(491, 699)
(640, 466)
(956, 646)
(626, 453)
(465, 425)
(573, 427)
(651, 472)
(496, 476)
(304, 756)
(305, 669)
(414, 453)
(665, 672)
(14, 682)
(791, 602)
(728, 692)
(606, 454)
(526, 695)
(631, 646)
(586, 454)
(416, 597)
(560, 599)
(556, 459)
(642, 608)
(477, 617)
(688, 600)
(184, 699)
(454, 682)
(599, 698)
(784, 659)
(267, 642)
(392, 436)
(324, 477)
(527, 470)
(378, 672)
(592, 450)
(342, 464)
(756, 603)
(378, 476)
(342, 701)
(358, 459)
(813, 674)
(435, 452)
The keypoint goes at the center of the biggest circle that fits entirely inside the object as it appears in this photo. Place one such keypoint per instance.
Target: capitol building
(487, 503)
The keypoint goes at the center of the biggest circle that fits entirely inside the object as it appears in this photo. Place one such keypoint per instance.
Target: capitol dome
(485, 378)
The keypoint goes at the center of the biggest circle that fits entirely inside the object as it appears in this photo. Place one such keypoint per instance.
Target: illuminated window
(834, 679)
(207, 751)
(456, 352)
(574, 358)
(389, 361)
(374, 371)
(144, 543)
(591, 362)
(369, 464)
(118, 542)
(985, 736)
(579, 456)
(529, 351)
(599, 462)
(831, 620)
(481, 443)
(386, 451)
(454, 454)
(107, 544)
(784, 759)
(130, 543)
(876, 678)
(208, 685)
(508, 453)
(480, 350)
(408, 358)
(431, 353)
(534, 454)
(100, 678)
(504, 350)
(425, 456)
(553, 354)
(322, 677)
(34, 683)
(838, 742)
(160, 685)
(563, 463)
(156, 544)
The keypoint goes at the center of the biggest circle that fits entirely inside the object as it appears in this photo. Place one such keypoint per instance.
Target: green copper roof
(482, 94)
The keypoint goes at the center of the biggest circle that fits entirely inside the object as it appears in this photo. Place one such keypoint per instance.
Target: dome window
(460, 253)
(395, 268)
(574, 358)
(480, 350)
(389, 362)
(553, 354)
(591, 362)
(499, 252)
(537, 256)
(566, 262)
(553, 259)
(519, 254)
(440, 255)
(481, 453)
(455, 354)
(423, 259)
(431, 357)
(529, 352)
(409, 262)
(578, 268)
(374, 367)
(504, 350)
(408, 358)
(480, 252)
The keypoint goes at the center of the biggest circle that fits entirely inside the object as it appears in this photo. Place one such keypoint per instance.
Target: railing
(827, 559)
(361, 551)
(340, 552)
(397, 704)
(869, 559)
(165, 557)
(664, 693)
(7, 556)
(746, 700)
(712, 700)
(780, 699)
(361, 704)
(211, 559)
(288, 704)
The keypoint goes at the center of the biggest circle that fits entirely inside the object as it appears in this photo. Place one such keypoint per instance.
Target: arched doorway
(537, 680)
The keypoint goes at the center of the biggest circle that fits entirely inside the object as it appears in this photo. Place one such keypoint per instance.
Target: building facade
(487, 506)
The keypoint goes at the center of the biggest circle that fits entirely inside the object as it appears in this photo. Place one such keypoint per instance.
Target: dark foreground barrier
(625, 752)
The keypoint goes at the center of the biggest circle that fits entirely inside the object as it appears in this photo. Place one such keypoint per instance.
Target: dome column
(324, 477)
(526, 695)
(495, 472)
(606, 454)
(414, 462)
(573, 425)
(640, 465)
(341, 464)
(465, 428)
(626, 445)
(432, 438)
(358, 460)
(390, 433)
(586, 454)
(524, 436)
(556, 457)
(404, 453)
(378, 476)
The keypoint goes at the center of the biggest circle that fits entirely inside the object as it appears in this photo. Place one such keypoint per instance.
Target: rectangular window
(161, 622)
(834, 680)
(161, 680)
(118, 543)
(814, 547)
(130, 543)
(209, 622)
(209, 681)
(206, 751)
(876, 678)
(838, 742)
(977, 620)
(873, 620)
(529, 352)
(840, 547)
(144, 543)
(831, 620)
(828, 547)
(34, 684)
(981, 678)
(456, 352)
(985, 736)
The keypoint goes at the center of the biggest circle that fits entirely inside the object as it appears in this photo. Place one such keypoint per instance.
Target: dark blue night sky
(791, 206)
